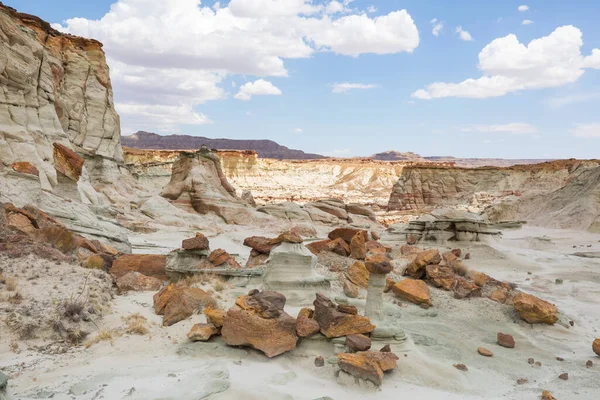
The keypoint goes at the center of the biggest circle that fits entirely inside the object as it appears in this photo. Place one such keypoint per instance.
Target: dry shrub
(104, 336)
(136, 324)
(14, 346)
(72, 309)
(60, 238)
(11, 284)
(459, 268)
(220, 285)
(478, 278)
(93, 262)
(16, 298)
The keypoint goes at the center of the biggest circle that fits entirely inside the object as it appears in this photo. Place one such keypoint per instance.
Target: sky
(467, 78)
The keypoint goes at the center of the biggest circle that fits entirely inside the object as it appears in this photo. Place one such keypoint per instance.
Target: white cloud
(159, 117)
(517, 128)
(437, 27)
(239, 37)
(586, 130)
(371, 9)
(346, 87)
(509, 66)
(259, 87)
(298, 130)
(523, 8)
(527, 22)
(334, 7)
(464, 35)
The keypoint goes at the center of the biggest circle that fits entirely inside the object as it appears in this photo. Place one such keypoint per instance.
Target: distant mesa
(264, 148)
(398, 156)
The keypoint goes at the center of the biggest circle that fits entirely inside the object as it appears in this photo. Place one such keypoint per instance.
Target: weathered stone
(273, 335)
(465, 289)
(202, 332)
(259, 244)
(286, 237)
(448, 257)
(564, 376)
(546, 395)
(442, 277)
(499, 295)
(334, 323)
(347, 234)
(177, 302)
(256, 259)
(375, 235)
(199, 242)
(267, 304)
(407, 250)
(389, 284)
(219, 257)
(485, 352)
(358, 343)
(535, 310)
(376, 248)
(25, 167)
(379, 265)
(339, 247)
(147, 264)
(415, 291)
(215, 316)
(358, 247)
(367, 365)
(416, 269)
(357, 273)
(350, 289)
(461, 367)
(318, 247)
(386, 349)
(306, 325)
(3, 381)
(506, 340)
(457, 252)
(137, 282)
(589, 364)
(67, 162)
(347, 309)
(596, 346)
(411, 240)
(319, 361)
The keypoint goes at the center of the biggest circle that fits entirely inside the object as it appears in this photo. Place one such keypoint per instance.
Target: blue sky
(175, 71)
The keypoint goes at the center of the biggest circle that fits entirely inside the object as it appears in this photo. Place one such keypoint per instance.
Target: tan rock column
(379, 266)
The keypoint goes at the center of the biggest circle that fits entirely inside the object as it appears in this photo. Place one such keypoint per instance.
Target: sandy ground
(164, 365)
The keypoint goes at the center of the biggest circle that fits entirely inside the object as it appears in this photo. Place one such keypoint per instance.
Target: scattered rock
(347, 309)
(367, 365)
(379, 264)
(252, 322)
(596, 346)
(468, 256)
(67, 162)
(319, 246)
(202, 332)
(286, 237)
(147, 264)
(547, 396)
(350, 289)
(389, 284)
(589, 364)
(199, 242)
(560, 359)
(484, 352)
(358, 342)
(466, 289)
(334, 323)
(522, 381)
(538, 364)
(442, 277)
(347, 234)
(407, 250)
(358, 247)
(374, 247)
(535, 310)
(177, 302)
(375, 235)
(215, 316)
(506, 340)
(564, 376)
(530, 361)
(339, 247)
(259, 244)
(319, 361)
(306, 325)
(415, 291)
(219, 257)
(461, 367)
(416, 269)
(499, 295)
(25, 167)
(457, 252)
(358, 274)
(558, 281)
(411, 240)
(448, 257)
(386, 349)
(137, 282)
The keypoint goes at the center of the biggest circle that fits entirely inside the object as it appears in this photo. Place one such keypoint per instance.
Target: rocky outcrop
(535, 310)
(369, 365)
(57, 89)
(335, 323)
(147, 264)
(177, 302)
(197, 182)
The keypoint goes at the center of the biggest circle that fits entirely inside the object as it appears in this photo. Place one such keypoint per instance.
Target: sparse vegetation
(137, 324)
(60, 238)
(480, 279)
(103, 336)
(11, 284)
(16, 298)
(93, 262)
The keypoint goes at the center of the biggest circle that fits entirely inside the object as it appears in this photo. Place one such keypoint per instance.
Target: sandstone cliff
(55, 88)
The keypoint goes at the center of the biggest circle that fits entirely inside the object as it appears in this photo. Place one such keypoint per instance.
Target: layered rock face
(422, 187)
(56, 89)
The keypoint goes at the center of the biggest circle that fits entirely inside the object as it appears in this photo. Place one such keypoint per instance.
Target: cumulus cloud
(346, 87)
(510, 66)
(464, 35)
(298, 130)
(586, 130)
(162, 117)
(371, 9)
(518, 128)
(523, 8)
(259, 87)
(437, 27)
(191, 47)
(527, 22)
